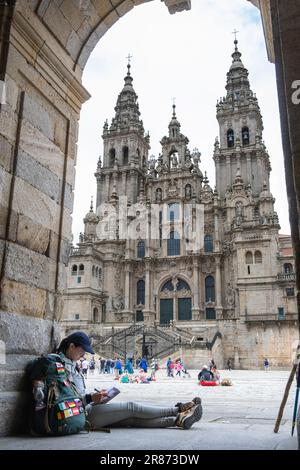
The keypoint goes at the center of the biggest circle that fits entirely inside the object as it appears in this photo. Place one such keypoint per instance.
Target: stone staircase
(156, 341)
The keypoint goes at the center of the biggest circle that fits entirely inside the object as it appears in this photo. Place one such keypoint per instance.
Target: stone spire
(90, 223)
(174, 126)
(127, 117)
(174, 146)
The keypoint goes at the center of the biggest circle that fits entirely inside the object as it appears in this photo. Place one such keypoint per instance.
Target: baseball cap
(81, 339)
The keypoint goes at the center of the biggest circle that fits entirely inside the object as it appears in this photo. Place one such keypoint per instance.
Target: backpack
(62, 410)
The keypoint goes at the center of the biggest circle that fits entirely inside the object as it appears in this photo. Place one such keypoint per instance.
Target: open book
(111, 393)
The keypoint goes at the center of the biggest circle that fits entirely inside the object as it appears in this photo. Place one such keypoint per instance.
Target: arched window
(141, 249)
(96, 271)
(209, 289)
(112, 157)
(74, 270)
(93, 271)
(181, 284)
(100, 273)
(230, 138)
(96, 316)
(173, 211)
(208, 244)
(140, 292)
(288, 268)
(167, 286)
(173, 244)
(258, 257)
(249, 257)
(245, 136)
(125, 155)
(81, 269)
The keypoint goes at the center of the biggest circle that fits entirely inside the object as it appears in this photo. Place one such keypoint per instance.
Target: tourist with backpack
(62, 406)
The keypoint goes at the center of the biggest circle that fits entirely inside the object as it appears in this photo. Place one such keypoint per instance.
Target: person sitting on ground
(120, 414)
(205, 374)
(216, 374)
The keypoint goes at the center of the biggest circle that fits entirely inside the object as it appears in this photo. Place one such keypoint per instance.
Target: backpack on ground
(57, 407)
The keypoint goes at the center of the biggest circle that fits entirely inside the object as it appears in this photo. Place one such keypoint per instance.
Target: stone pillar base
(127, 316)
(196, 313)
(149, 317)
(219, 313)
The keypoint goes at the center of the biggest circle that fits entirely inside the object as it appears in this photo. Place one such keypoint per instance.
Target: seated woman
(206, 377)
(120, 414)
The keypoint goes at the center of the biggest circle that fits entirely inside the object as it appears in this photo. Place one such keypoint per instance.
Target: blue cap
(81, 339)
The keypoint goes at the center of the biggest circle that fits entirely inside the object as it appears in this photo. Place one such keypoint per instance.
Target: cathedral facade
(166, 257)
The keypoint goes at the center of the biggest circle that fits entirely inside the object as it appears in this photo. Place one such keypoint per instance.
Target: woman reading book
(100, 414)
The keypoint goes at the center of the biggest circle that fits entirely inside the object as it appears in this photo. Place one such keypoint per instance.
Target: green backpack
(60, 409)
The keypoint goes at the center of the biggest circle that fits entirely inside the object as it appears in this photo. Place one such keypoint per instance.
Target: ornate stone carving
(118, 302)
(230, 296)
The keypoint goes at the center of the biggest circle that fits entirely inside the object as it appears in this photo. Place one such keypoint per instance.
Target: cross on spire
(129, 57)
(174, 106)
(235, 33)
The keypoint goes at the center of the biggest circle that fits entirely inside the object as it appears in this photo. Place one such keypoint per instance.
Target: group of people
(176, 368)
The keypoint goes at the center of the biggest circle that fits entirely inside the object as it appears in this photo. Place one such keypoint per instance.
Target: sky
(186, 56)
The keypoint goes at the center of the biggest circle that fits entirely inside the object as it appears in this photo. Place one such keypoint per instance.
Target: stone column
(195, 309)
(218, 288)
(249, 172)
(149, 313)
(217, 233)
(107, 186)
(127, 312)
(228, 171)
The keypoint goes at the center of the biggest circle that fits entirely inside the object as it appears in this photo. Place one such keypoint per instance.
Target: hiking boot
(186, 419)
(187, 406)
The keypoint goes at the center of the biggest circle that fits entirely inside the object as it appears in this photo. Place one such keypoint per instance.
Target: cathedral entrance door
(166, 311)
(185, 309)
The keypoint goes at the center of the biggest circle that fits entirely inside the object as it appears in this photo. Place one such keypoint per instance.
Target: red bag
(208, 383)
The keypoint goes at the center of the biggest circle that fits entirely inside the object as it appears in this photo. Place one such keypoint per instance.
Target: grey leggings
(131, 414)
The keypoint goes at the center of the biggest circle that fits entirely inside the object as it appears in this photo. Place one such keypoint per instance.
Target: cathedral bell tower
(125, 151)
(240, 150)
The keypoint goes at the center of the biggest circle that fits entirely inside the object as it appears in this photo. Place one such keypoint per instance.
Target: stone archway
(41, 94)
(174, 300)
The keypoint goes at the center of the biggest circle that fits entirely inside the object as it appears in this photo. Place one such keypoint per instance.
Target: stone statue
(239, 212)
(158, 195)
(188, 191)
(230, 294)
(174, 160)
(117, 302)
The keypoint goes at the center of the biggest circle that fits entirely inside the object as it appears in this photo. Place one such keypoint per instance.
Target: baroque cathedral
(166, 264)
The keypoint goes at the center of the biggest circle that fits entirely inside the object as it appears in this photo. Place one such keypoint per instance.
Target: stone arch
(62, 67)
(174, 300)
(96, 315)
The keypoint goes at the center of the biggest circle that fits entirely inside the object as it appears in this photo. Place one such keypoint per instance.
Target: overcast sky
(187, 56)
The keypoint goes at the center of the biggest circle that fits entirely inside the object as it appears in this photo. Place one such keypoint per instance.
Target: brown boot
(186, 419)
(187, 406)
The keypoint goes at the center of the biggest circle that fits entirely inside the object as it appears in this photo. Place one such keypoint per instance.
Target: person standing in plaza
(84, 367)
(118, 368)
(266, 364)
